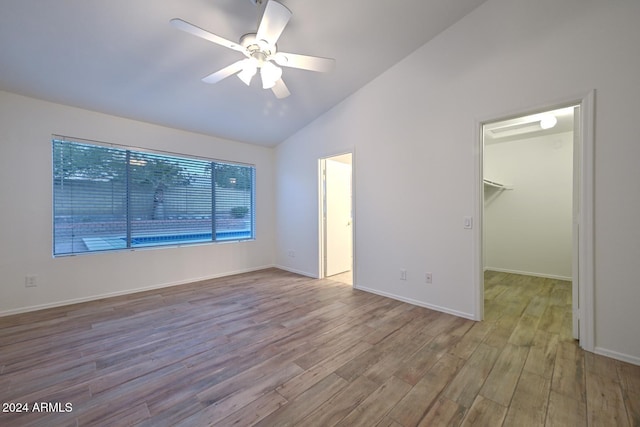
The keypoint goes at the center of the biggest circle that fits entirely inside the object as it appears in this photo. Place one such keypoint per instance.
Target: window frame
(129, 245)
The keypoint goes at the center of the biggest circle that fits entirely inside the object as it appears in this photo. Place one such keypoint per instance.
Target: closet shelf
(497, 185)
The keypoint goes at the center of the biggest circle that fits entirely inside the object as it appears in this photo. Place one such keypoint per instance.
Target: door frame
(321, 214)
(583, 220)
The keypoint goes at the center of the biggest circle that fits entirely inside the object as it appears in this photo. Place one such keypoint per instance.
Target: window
(107, 197)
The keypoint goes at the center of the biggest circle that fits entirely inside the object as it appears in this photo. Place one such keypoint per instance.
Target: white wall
(527, 230)
(414, 133)
(26, 126)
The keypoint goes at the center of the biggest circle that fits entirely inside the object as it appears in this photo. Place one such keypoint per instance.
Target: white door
(338, 234)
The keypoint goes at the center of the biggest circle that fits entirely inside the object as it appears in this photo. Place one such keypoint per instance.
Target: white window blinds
(109, 198)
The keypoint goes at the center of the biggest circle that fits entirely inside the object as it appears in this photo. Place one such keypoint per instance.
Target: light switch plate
(468, 222)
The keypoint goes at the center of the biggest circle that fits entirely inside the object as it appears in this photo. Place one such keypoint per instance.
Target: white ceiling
(122, 57)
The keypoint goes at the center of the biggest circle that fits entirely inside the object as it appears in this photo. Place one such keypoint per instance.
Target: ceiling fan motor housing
(258, 49)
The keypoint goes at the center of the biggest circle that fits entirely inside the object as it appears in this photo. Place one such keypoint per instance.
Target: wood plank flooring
(272, 348)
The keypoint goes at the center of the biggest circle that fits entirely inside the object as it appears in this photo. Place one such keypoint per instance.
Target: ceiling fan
(260, 51)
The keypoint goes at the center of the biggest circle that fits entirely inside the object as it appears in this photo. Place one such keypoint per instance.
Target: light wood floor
(346, 277)
(273, 348)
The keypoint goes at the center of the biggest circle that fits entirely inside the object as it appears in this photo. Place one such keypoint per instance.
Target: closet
(528, 191)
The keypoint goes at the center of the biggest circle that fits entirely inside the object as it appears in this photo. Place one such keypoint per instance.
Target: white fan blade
(203, 34)
(305, 62)
(280, 89)
(224, 73)
(274, 19)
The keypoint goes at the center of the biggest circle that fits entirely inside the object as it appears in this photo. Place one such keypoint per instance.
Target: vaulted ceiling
(122, 57)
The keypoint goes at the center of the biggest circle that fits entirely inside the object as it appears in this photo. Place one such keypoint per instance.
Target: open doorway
(336, 208)
(529, 201)
(582, 272)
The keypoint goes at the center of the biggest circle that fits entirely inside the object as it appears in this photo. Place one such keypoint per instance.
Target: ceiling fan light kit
(249, 69)
(260, 51)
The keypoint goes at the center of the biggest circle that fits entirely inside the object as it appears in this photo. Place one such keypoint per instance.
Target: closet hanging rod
(497, 185)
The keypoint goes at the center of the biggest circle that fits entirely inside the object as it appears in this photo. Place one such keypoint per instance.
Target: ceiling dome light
(548, 121)
(270, 74)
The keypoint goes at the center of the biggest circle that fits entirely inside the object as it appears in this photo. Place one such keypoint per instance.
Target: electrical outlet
(30, 281)
(428, 278)
(403, 274)
(292, 254)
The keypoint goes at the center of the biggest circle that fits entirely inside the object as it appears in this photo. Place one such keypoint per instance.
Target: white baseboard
(634, 360)
(416, 302)
(528, 273)
(300, 272)
(128, 291)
